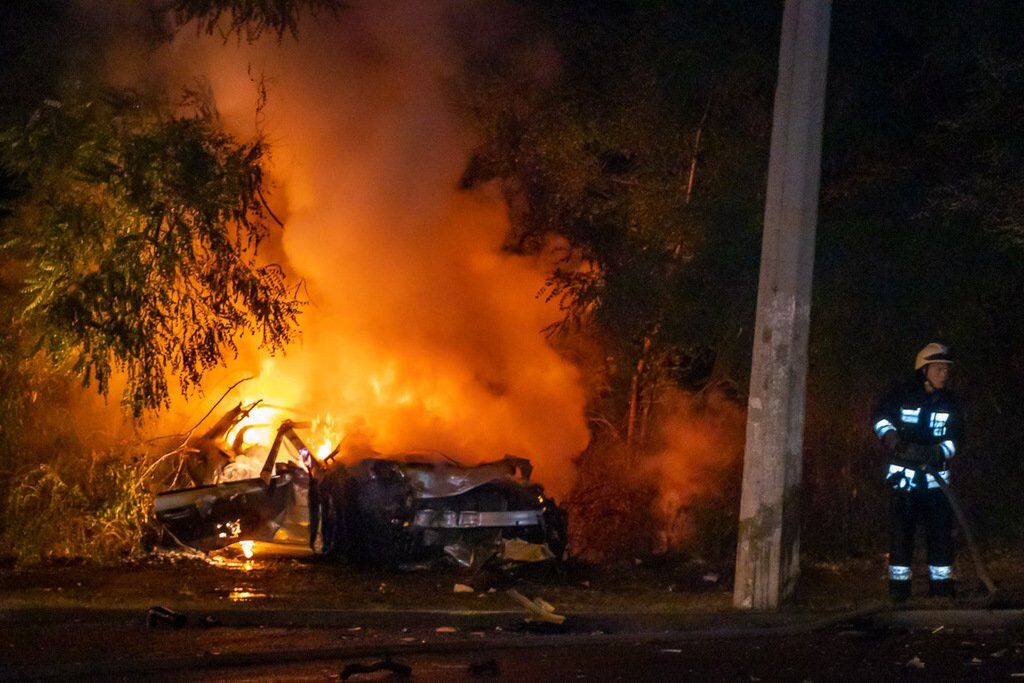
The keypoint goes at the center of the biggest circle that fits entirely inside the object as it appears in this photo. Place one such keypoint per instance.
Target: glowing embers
(246, 547)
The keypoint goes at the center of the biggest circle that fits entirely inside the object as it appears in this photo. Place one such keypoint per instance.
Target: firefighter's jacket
(930, 419)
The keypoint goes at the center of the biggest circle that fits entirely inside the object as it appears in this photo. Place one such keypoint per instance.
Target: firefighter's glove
(892, 441)
(936, 458)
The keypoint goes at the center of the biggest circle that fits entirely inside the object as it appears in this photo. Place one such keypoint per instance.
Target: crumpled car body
(406, 509)
(397, 511)
(214, 516)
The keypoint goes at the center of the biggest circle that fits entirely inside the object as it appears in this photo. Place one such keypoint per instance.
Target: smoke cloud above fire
(420, 332)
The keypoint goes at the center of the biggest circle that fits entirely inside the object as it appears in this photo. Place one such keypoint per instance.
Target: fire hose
(961, 518)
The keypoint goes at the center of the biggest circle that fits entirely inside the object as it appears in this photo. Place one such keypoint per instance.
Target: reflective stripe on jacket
(920, 417)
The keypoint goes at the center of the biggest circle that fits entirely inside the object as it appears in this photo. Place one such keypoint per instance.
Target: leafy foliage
(249, 17)
(91, 507)
(140, 230)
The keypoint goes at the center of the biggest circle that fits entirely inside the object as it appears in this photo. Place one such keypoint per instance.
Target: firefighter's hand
(936, 458)
(892, 441)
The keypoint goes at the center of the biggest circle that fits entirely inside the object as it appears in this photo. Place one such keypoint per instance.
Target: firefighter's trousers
(906, 509)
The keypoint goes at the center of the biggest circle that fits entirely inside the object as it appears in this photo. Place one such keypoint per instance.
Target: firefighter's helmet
(933, 353)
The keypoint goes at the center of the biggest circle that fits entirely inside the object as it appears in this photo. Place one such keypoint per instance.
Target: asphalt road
(971, 656)
(847, 653)
(830, 658)
(283, 620)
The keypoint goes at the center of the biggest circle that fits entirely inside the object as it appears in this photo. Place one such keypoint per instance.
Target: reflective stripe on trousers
(898, 573)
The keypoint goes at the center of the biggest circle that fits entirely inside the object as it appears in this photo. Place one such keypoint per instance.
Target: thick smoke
(702, 443)
(420, 333)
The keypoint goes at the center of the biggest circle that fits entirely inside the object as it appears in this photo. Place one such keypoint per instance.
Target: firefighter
(920, 424)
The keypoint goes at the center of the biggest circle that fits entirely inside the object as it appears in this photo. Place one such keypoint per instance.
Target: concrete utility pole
(768, 552)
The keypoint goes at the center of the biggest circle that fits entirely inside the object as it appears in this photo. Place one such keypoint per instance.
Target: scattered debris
(518, 550)
(461, 553)
(540, 610)
(446, 629)
(937, 629)
(545, 605)
(462, 588)
(915, 663)
(975, 661)
(161, 616)
(358, 668)
(710, 577)
(672, 651)
(484, 668)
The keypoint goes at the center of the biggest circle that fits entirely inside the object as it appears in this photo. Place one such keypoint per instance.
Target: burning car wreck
(407, 509)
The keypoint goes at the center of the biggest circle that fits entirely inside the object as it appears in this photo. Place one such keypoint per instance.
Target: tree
(134, 223)
(639, 153)
(140, 229)
(630, 141)
(251, 18)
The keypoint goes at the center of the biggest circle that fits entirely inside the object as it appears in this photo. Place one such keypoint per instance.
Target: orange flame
(421, 333)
